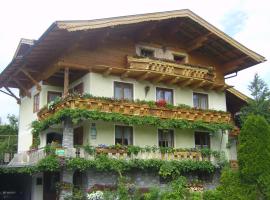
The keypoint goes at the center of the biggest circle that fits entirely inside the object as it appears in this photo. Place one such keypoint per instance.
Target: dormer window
(147, 53)
(179, 58)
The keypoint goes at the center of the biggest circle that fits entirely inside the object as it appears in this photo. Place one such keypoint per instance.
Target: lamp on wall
(146, 90)
(93, 131)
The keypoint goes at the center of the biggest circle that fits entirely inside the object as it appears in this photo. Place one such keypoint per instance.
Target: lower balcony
(32, 157)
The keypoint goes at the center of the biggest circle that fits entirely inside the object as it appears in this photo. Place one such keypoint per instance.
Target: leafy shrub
(212, 195)
(232, 188)
(254, 149)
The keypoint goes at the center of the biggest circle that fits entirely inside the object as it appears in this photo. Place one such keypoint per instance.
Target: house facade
(131, 89)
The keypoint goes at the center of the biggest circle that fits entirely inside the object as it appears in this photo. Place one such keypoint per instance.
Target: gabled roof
(238, 94)
(62, 34)
(132, 19)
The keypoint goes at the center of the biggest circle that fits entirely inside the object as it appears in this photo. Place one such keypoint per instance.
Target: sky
(247, 21)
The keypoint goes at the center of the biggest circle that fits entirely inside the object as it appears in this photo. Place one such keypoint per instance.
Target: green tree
(260, 102)
(254, 153)
(8, 135)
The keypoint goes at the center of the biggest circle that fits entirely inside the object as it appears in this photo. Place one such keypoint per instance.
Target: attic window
(179, 58)
(147, 53)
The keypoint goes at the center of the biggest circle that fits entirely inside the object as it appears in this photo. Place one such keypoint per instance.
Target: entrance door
(49, 186)
(78, 136)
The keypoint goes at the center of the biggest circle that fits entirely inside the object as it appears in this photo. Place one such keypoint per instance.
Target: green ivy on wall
(103, 163)
(77, 115)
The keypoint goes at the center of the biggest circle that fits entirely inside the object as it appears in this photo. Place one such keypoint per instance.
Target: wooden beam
(144, 76)
(198, 84)
(173, 80)
(107, 72)
(125, 74)
(63, 64)
(26, 92)
(235, 62)
(186, 83)
(31, 78)
(13, 95)
(66, 81)
(198, 42)
(159, 78)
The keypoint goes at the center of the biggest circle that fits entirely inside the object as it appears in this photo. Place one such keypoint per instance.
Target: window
(146, 52)
(165, 138)
(179, 58)
(165, 94)
(124, 135)
(123, 90)
(200, 100)
(202, 140)
(78, 89)
(51, 96)
(36, 103)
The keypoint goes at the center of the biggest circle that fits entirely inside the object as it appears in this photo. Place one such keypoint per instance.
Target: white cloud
(30, 18)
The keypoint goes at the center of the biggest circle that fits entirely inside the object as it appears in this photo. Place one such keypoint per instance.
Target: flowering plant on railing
(98, 195)
(161, 103)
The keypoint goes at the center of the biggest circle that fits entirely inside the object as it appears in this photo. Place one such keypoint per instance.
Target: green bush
(232, 188)
(254, 149)
(212, 195)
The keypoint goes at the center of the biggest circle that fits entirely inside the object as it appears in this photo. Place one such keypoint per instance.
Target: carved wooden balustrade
(33, 157)
(183, 71)
(129, 108)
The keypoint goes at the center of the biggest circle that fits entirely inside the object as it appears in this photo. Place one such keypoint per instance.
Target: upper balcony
(171, 72)
(135, 108)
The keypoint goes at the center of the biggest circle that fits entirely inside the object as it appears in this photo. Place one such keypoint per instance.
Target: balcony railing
(136, 109)
(172, 68)
(33, 157)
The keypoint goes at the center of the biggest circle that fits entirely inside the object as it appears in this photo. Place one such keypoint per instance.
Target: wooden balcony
(34, 156)
(136, 109)
(170, 72)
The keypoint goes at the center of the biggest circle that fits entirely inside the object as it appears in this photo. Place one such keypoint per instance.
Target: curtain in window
(123, 90)
(123, 135)
(200, 100)
(165, 138)
(165, 94)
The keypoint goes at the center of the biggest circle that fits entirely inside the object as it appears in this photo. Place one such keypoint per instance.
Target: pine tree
(260, 102)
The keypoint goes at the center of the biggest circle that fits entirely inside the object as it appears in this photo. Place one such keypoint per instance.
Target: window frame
(124, 126)
(146, 49)
(184, 56)
(36, 104)
(173, 136)
(200, 94)
(208, 139)
(52, 92)
(166, 89)
(124, 83)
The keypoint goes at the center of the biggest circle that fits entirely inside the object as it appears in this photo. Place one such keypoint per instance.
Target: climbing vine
(77, 115)
(103, 163)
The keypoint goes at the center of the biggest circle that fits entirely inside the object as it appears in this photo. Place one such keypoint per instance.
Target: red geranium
(161, 103)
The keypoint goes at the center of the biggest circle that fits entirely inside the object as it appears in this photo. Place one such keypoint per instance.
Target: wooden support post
(66, 81)
(13, 95)
(31, 78)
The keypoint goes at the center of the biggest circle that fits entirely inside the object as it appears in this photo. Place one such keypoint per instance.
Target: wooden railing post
(66, 81)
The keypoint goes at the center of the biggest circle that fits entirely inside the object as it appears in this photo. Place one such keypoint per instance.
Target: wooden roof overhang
(43, 59)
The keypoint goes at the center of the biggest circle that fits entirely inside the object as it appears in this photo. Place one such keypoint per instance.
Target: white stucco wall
(103, 86)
